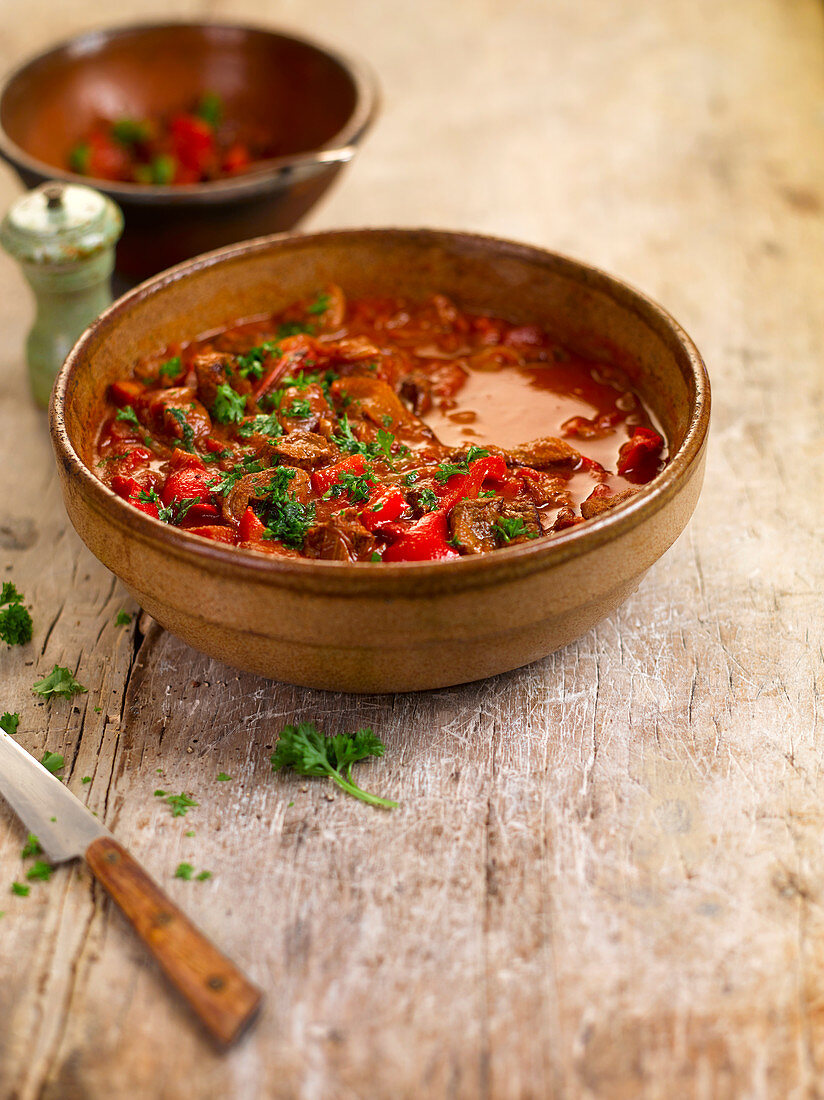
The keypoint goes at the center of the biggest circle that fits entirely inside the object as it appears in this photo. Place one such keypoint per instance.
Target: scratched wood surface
(606, 876)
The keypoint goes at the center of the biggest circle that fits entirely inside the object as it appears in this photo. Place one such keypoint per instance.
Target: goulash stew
(376, 430)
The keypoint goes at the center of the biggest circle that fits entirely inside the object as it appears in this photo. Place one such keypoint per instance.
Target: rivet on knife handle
(224, 1000)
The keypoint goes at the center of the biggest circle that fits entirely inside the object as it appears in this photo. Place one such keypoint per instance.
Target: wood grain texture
(224, 1000)
(605, 878)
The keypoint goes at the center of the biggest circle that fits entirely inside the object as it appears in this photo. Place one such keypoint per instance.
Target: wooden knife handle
(223, 999)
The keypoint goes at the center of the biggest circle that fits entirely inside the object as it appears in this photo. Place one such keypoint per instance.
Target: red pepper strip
(383, 506)
(251, 529)
(426, 541)
(186, 459)
(323, 480)
(236, 159)
(214, 532)
(639, 457)
(469, 485)
(185, 483)
(193, 142)
(131, 458)
(128, 488)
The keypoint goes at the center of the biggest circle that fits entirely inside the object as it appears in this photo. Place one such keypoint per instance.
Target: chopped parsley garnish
(20, 890)
(130, 131)
(171, 368)
(320, 305)
(486, 493)
(250, 365)
(79, 158)
(308, 752)
(229, 406)
(410, 478)
(299, 407)
(294, 328)
(512, 527)
(9, 723)
(178, 803)
(185, 871)
(40, 871)
(15, 621)
(172, 513)
(31, 848)
(210, 108)
(428, 500)
(387, 421)
(383, 442)
(59, 681)
(161, 169)
(261, 425)
(357, 487)
(446, 470)
(128, 414)
(375, 556)
(202, 876)
(53, 762)
(86, 779)
(222, 777)
(249, 464)
(188, 433)
(288, 521)
(123, 618)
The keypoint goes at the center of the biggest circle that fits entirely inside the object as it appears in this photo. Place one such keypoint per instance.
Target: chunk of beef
(478, 525)
(416, 389)
(545, 490)
(305, 408)
(214, 369)
(303, 449)
(470, 525)
(255, 487)
(599, 501)
(374, 400)
(173, 409)
(542, 454)
(339, 536)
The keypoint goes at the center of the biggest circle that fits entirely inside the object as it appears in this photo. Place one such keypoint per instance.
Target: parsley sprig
(60, 681)
(178, 803)
(15, 621)
(309, 752)
(229, 406)
(508, 528)
(446, 470)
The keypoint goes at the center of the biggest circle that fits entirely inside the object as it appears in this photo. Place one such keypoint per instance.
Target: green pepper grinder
(63, 236)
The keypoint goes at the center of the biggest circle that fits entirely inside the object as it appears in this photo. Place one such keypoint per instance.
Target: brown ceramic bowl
(364, 627)
(313, 103)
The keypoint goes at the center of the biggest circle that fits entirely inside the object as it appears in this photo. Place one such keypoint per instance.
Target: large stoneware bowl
(364, 627)
(313, 104)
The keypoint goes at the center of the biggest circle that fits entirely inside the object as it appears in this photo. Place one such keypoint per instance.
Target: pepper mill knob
(63, 237)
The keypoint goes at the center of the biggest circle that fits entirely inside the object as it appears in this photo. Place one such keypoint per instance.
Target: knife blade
(222, 997)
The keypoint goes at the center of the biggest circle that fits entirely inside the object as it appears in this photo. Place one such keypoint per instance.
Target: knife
(223, 999)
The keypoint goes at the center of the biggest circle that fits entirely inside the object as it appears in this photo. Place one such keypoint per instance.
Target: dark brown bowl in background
(315, 104)
(379, 627)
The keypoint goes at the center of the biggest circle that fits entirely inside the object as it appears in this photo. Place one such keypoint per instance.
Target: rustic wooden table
(606, 876)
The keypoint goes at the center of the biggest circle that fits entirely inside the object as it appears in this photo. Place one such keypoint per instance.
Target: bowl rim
(338, 149)
(422, 578)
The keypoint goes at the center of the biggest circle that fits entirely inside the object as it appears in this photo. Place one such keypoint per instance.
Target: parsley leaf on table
(52, 761)
(59, 681)
(309, 752)
(123, 618)
(20, 890)
(40, 870)
(9, 723)
(15, 621)
(178, 803)
(32, 847)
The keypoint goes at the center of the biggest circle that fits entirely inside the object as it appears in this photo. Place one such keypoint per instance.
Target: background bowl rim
(339, 148)
(357, 577)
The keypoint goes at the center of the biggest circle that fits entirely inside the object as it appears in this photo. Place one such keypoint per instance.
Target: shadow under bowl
(363, 627)
(307, 105)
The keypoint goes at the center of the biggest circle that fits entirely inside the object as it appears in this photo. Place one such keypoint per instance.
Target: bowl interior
(587, 309)
(286, 95)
